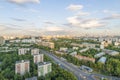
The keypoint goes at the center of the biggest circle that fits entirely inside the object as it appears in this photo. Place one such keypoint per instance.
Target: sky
(59, 17)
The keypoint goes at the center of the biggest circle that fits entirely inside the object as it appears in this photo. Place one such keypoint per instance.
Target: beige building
(35, 51)
(38, 58)
(44, 68)
(2, 40)
(21, 67)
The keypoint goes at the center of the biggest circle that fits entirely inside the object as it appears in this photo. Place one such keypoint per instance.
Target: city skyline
(63, 17)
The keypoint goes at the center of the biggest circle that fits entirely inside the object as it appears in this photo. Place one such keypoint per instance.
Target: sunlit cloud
(18, 19)
(84, 23)
(113, 16)
(24, 1)
(74, 7)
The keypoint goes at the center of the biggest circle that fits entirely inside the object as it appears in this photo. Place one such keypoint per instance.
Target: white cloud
(24, 1)
(106, 11)
(2, 27)
(74, 7)
(82, 13)
(53, 28)
(117, 16)
(84, 23)
(113, 16)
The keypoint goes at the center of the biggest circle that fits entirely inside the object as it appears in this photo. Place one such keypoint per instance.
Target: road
(75, 70)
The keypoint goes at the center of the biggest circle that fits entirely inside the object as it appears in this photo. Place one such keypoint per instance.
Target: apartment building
(35, 51)
(21, 67)
(38, 58)
(23, 51)
(44, 68)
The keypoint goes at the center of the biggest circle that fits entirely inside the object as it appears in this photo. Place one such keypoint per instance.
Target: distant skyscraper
(21, 67)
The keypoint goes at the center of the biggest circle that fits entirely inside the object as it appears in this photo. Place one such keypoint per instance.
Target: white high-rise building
(35, 51)
(21, 67)
(44, 68)
(38, 58)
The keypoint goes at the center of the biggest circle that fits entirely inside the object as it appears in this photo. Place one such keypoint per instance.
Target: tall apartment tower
(21, 67)
(35, 51)
(38, 58)
(44, 68)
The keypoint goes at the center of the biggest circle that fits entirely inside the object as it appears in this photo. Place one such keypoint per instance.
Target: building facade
(21, 67)
(38, 58)
(23, 51)
(34, 51)
(44, 68)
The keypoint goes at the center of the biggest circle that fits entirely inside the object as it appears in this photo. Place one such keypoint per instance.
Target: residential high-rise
(38, 58)
(44, 68)
(21, 67)
(35, 51)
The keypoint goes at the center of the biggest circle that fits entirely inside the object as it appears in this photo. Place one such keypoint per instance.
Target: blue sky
(76, 17)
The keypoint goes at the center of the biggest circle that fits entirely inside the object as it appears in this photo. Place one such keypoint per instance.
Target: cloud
(33, 10)
(113, 16)
(53, 28)
(106, 11)
(84, 23)
(74, 7)
(18, 19)
(81, 13)
(49, 22)
(24, 1)
(2, 27)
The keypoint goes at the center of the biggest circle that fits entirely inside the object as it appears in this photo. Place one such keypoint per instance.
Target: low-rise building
(47, 44)
(102, 60)
(21, 67)
(73, 53)
(99, 54)
(85, 58)
(63, 49)
(59, 52)
(83, 50)
(44, 68)
(23, 51)
(38, 58)
(32, 78)
(75, 48)
(113, 53)
(89, 45)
